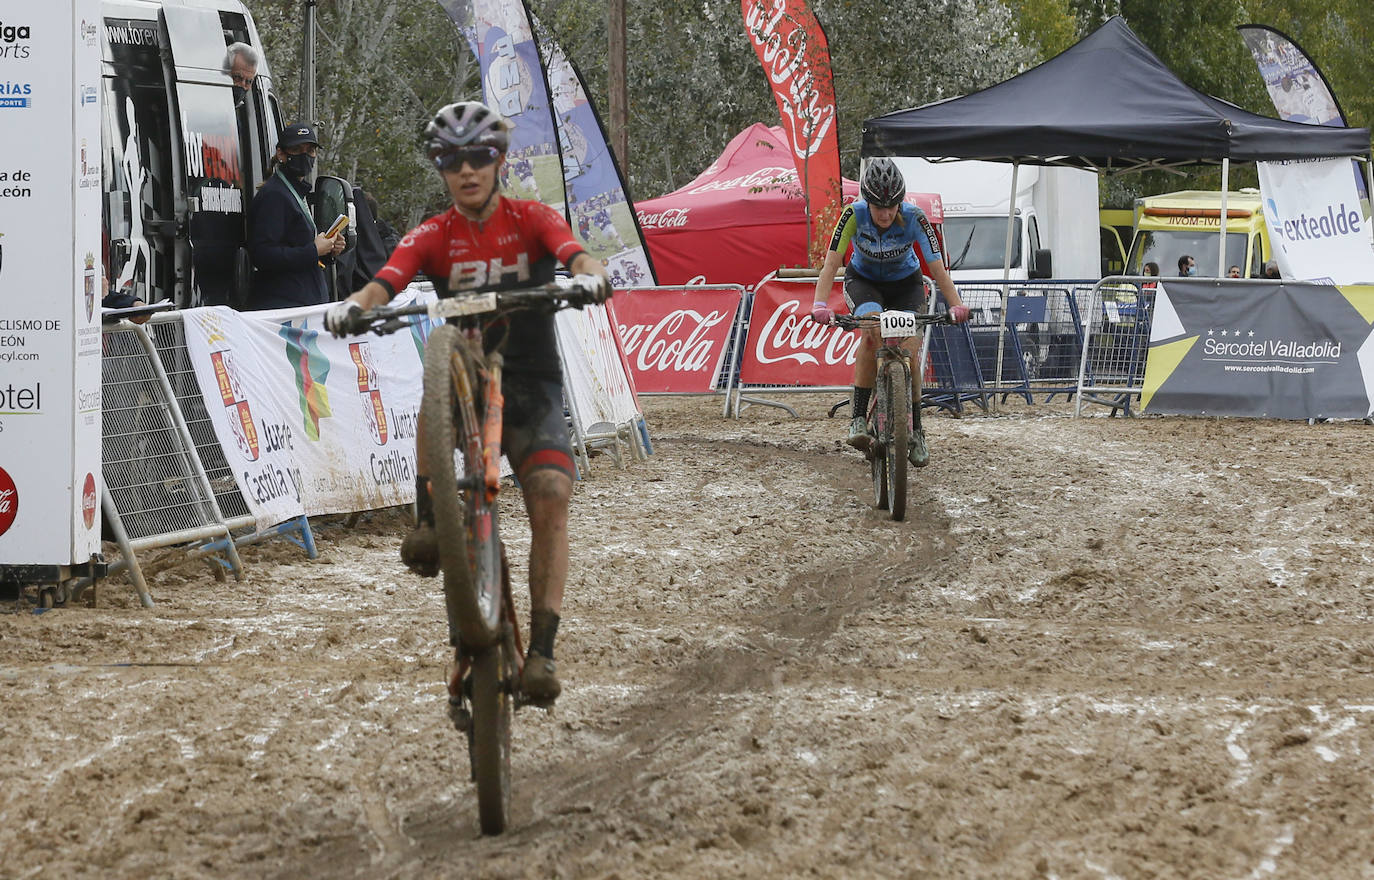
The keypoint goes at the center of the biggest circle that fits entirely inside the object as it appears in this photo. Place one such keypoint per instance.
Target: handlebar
(560, 294)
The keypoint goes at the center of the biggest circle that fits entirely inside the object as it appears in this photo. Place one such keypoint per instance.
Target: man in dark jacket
(282, 240)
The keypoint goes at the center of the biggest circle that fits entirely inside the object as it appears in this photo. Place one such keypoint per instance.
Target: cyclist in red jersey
(488, 241)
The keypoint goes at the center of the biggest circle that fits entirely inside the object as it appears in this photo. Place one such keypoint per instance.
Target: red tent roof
(742, 217)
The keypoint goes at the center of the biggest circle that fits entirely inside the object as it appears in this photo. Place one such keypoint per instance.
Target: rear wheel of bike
(464, 524)
(898, 403)
(493, 683)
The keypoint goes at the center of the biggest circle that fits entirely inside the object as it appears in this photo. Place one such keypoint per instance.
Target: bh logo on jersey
(240, 416)
(471, 274)
(371, 395)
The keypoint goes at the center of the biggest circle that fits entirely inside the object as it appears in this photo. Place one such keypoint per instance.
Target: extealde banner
(1292, 351)
(1316, 226)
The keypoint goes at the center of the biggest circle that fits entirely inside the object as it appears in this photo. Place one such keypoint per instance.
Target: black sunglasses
(477, 157)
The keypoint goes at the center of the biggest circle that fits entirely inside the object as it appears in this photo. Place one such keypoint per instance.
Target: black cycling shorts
(534, 431)
(907, 294)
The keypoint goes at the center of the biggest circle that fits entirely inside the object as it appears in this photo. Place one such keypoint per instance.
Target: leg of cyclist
(863, 298)
(536, 441)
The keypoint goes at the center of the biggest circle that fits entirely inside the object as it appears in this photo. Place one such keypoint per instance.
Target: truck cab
(180, 160)
(1188, 222)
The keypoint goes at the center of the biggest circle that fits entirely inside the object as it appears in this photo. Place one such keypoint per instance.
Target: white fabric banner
(594, 370)
(1315, 221)
(309, 424)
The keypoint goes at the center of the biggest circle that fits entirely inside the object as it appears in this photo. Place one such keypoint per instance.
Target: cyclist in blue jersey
(884, 273)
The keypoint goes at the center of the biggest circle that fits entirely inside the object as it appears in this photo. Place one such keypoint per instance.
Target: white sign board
(1316, 225)
(50, 340)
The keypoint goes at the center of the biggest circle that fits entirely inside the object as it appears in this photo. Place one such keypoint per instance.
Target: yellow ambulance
(1173, 225)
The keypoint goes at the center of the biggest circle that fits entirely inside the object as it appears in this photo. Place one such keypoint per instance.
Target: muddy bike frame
(891, 416)
(462, 410)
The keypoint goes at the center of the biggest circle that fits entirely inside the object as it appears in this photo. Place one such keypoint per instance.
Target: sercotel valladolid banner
(1291, 351)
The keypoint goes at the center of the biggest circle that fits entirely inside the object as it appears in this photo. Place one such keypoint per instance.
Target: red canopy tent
(741, 218)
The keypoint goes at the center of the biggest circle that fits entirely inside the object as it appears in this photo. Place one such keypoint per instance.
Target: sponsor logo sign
(785, 347)
(373, 410)
(1315, 223)
(88, 502)
(9, 501)
(234, 399)
(675, 341)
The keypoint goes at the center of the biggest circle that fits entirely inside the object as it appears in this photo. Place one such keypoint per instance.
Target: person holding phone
(288, 253)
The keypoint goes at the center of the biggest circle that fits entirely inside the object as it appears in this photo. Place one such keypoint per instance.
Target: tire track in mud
(851, 571)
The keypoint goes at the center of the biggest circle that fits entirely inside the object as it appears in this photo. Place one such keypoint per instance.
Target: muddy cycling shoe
(859, 437)
(420, 551)
(916, 450)
(539, 681)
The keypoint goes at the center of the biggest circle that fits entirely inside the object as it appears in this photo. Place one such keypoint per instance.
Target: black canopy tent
(1108, 104)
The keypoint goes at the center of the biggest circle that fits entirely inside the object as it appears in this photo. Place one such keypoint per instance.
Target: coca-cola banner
(785, 347)
(676, 340)
(796, 59)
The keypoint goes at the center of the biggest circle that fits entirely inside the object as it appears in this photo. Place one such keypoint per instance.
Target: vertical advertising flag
(513, 85)
(796, 59)
(599, 211)
(1296, 86)
(1315, 225)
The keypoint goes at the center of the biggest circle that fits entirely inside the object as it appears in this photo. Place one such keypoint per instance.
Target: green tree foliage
(694, 80)
(382, 67)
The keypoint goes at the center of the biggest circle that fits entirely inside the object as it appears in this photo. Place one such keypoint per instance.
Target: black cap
(297, 133)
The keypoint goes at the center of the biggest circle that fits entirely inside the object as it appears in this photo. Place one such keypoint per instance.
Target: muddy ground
(1098, 648)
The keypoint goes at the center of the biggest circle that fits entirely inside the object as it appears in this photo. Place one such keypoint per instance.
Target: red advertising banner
(785, 347)
(675, 340)
(796, 59)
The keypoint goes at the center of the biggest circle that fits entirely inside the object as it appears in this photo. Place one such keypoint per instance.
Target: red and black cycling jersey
(519, 245)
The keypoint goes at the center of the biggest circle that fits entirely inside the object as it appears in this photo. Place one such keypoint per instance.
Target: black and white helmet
(465, 124)
(882, 183)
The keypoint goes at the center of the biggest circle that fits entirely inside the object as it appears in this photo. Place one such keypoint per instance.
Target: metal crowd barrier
(1116, 340)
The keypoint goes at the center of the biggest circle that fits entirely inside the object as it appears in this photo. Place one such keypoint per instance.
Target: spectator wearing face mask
(1233, 272)
(286, 249)
(1187, 265)
(1271, 270)
(241, 64)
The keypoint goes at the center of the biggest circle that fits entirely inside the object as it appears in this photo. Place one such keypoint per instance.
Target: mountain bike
(891, 416)
(461, 410)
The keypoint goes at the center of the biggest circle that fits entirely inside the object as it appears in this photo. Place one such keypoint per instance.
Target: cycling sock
(860, 405)
(424, 506)
(543, 628)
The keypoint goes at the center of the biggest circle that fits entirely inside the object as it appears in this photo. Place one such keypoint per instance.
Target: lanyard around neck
(300, 200)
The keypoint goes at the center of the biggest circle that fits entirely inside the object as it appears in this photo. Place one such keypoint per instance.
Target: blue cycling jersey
(885, 254)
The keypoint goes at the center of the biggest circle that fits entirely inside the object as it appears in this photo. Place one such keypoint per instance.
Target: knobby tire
(464, 525)
(898, 393)
(493, 677)
(877, 459)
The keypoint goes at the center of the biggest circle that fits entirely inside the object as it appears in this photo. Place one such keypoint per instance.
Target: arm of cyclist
(820, 308)
(590, 275)
(958, 312)
(340, 315)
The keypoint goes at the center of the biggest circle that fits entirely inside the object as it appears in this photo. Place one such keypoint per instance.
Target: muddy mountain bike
(461, 410)
(891, 416)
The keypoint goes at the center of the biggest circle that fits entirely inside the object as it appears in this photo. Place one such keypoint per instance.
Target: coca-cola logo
(680, 342)
(666, 219)
(88, 501)
(775, 175)
(797, 69)
(9, 501)
(789, 336)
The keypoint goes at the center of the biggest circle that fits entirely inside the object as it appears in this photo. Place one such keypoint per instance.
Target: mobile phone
(339, 223)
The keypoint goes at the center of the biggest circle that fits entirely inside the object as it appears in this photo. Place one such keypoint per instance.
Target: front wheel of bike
(898, 403)
(877, 461)
(465, 525)
(493, 684)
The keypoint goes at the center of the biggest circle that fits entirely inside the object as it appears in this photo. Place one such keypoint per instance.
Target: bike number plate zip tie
(457, 306)
(896, 324)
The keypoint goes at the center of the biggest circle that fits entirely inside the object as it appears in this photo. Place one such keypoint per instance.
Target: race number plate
(895, 324)
(453, 307)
